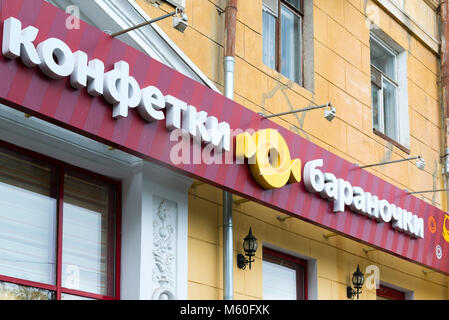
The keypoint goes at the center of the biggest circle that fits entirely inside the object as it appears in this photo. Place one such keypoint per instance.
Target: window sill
(393, 142)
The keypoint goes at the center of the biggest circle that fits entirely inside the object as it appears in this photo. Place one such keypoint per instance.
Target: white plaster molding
(410, 25)
(164, 248)
(161, 185)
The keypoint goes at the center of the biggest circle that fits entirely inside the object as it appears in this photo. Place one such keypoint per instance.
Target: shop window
(58, 227)
(284, 276)
(11, 291)
(282, 22)
(389, 91)
(387, 293)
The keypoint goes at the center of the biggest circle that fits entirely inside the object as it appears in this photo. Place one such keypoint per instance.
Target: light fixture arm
(145, 23)
(294, 111)
(351, 293)
(427, 191)
(388, 162)
(242, 262)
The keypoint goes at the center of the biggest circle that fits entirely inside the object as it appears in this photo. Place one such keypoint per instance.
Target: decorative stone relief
(164, 248)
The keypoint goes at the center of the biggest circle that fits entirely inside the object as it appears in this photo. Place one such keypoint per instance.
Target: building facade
(103, 211)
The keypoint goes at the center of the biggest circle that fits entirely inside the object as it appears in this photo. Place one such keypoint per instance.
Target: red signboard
(29, 90)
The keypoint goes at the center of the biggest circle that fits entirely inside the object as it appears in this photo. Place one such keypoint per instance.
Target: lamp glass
(250, 244)
(358, 278)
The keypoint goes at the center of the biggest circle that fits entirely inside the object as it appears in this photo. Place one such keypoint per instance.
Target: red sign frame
(29, 90)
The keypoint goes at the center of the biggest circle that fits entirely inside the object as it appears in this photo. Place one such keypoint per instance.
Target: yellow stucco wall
(336, 257)
(342, 76)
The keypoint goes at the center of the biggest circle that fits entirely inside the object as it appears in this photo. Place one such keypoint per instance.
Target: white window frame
(401, 96)
(384, 77)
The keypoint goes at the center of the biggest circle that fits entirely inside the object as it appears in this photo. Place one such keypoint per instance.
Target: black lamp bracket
(242, 261)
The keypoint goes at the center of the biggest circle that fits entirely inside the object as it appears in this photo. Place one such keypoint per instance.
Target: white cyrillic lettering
(90, 75)
(151, 104)
(407, 222)
(372, 205)
(313, 178)
(121, 90)
(194, 123)
(344, 195)
(418, 227)
(219, 133)
(358, 200)
(330, 190)
(384, 211)
(174, 107)
(56, 58)
(396, 214)
(19, 43)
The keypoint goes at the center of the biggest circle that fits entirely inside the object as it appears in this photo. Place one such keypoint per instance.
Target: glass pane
(390, 110)
(291, 46)
(88, 235)
(279, 282)
(66, 296)
(272, 6)
(383, 59)
(27, 218)
(10, 291)
(295, 3)
(375, 103)
(269, 39)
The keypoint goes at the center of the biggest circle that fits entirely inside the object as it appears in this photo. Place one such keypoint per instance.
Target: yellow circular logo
(269, 158)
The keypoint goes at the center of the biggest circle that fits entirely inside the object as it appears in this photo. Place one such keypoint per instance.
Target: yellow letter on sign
(269, 158)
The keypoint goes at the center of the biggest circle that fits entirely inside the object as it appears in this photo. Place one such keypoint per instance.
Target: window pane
(269, 39)
(291, 46)
(375, 103)
(66, 296)
(272, 6)
(383, 59)
(27, 218)
(279, 282)
(390, 109)
(88, 235)
(295, 3)
(10, 291)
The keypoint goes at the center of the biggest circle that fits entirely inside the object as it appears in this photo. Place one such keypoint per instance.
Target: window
(284, 276)
(389, 99)
(384, 88)
(282, 22)
(387, 293)
(58, 227)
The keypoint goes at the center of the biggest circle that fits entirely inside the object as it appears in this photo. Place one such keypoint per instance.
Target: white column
(154, 235)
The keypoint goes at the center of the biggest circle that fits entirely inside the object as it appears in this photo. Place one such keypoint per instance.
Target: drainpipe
(229, 62)
(444, 53)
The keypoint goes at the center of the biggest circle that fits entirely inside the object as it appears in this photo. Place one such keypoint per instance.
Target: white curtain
(279, 282)
(27, 220)
(291, 49)
(269, 38)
